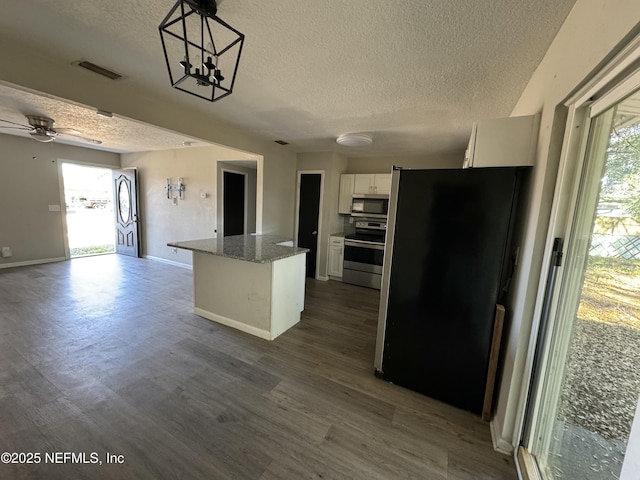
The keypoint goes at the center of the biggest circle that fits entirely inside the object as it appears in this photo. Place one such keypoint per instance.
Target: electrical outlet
(174, 250)
(6, 252)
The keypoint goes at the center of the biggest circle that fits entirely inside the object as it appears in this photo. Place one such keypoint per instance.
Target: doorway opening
(234, 192)
(88, 196)
(309, 217)
(590, 386)
(237, 185)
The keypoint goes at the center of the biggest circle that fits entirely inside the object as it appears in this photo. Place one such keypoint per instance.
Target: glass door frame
(619, 78)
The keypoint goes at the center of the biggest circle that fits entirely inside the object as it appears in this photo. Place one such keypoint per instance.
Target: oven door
(363, 263)
(363, 256)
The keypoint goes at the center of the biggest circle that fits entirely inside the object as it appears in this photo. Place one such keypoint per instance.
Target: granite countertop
(250, 248)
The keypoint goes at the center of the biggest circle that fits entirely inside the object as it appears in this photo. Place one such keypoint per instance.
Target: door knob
(315, 232)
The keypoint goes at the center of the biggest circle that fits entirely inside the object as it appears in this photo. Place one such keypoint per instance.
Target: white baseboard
(258, 332)
(32, 262)
(499, 443)
(170, 262)
(322, 278)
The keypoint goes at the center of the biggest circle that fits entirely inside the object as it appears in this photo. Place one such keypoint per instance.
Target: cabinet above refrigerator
(503, 142)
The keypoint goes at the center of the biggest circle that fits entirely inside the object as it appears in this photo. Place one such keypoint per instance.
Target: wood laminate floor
(103, 354)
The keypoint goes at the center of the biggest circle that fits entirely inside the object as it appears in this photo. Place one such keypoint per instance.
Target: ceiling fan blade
(80, 137)
(16, 128)
(68, 131)
(27, 127)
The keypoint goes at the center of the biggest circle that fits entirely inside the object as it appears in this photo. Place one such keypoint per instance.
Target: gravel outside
(602, 381)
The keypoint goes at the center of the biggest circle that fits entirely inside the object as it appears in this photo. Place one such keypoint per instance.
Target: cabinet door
(346, 192)
(336, 256)
(382, 183)
(502, 142)
(364, 183)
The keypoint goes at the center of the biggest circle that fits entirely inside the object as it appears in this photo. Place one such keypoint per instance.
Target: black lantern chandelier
(202, 51)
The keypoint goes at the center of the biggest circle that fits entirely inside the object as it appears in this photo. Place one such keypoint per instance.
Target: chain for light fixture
(198, 46)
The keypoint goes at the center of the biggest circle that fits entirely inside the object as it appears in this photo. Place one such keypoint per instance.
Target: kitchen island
(254, 283)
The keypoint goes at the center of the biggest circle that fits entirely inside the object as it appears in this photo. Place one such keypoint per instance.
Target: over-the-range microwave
(370, 205)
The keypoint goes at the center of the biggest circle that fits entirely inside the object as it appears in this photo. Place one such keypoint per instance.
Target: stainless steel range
(364, 253)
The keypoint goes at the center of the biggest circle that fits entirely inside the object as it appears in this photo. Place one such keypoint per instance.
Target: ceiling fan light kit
(41, 129)
(41, 137)
(354, 140)
(202, 51)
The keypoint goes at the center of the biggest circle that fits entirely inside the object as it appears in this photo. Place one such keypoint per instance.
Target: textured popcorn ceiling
(116, 134)
(414, 74)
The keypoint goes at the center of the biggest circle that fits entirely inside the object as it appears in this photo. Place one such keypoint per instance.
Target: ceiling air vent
(92, 67)
(281, 142)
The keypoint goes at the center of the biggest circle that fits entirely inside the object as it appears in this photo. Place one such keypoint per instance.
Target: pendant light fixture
(201, 50)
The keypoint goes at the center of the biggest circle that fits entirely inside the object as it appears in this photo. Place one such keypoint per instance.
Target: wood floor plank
(103, 354)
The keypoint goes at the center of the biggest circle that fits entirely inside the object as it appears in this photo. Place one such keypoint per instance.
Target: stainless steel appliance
(450, 252)
(369, 205)
(363, 254)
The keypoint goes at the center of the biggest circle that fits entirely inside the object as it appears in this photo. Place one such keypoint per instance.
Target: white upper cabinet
(361, 183)
(382, 183)
(372, 183)
(364, 183)
(503, 142)
(346, 193)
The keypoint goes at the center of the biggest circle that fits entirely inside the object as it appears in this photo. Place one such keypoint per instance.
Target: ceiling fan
(41, 129)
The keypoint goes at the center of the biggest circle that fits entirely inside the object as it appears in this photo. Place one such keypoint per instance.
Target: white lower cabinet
(336, 256)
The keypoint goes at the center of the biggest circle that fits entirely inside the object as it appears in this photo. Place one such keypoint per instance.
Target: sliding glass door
(589, 380)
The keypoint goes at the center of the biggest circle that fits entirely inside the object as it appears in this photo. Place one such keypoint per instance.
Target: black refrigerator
(449, 253)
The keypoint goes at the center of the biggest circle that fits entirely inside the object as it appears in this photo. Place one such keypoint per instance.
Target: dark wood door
(126, 212)
(233, 203)
(309, 210)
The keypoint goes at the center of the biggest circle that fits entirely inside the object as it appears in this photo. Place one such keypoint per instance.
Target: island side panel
(233, 292)
(287, 300)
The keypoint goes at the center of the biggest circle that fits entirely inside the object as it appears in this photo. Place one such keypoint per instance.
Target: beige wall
(192, 218)
(385, 164)
(69, 82)
(29, 183)
(589, 35)
(279, 196)
(333, 165)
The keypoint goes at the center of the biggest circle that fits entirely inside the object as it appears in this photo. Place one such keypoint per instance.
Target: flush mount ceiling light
(201, 50)
(354, 140)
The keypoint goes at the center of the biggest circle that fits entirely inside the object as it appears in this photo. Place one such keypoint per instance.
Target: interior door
(233, 203)
(126, 212)
(308, 218)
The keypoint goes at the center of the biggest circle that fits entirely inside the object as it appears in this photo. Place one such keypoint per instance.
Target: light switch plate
(54, 208)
